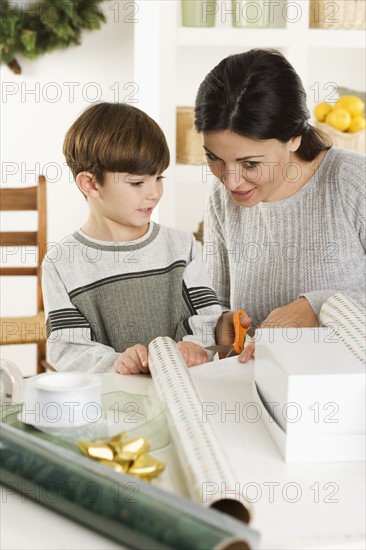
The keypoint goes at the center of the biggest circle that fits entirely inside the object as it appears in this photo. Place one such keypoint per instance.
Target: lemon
(358, 123)
(339, 118)
(321, 111)
(354, 105)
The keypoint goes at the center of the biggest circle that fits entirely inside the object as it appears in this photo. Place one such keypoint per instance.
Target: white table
(295, 503)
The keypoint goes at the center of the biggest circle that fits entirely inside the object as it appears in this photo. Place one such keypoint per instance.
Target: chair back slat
(18, 238)
(5, 271)
(18, 199)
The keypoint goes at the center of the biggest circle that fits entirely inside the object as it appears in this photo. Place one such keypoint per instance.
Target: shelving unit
(170, 61)
(349, 39)
(206, 37)
(268, 38)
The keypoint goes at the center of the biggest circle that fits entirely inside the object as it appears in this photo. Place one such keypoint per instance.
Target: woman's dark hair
(258, 94)
(115, 137)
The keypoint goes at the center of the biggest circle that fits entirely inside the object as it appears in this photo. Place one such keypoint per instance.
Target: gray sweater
(311, 244)
(101, 297)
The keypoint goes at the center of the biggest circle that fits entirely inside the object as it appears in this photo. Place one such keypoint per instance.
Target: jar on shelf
(198, 13)
(251, 13)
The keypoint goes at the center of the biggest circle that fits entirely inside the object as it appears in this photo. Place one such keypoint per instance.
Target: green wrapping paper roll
(119, 506)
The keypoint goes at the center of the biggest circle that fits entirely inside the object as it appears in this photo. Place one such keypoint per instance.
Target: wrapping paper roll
(119, 506)
(201, 456)
(349, 322)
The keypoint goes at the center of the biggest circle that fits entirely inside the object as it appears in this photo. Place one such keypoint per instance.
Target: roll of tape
(11, 382)
(62, 399)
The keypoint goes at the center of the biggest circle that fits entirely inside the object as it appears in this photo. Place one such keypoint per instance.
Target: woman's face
(253, 171)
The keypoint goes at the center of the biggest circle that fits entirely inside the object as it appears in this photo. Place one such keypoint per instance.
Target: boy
(122, 280)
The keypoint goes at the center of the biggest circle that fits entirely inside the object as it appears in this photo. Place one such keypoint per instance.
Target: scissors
(240, 332)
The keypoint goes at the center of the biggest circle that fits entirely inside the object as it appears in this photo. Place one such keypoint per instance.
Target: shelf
(334, 38)
(233, 37)
(268, 38)
(170, 63)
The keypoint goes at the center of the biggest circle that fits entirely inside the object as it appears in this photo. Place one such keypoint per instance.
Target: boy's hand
(192, 353)
(132, 361)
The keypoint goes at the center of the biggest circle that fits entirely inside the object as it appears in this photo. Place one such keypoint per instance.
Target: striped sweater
(102, 298)
(311, 244)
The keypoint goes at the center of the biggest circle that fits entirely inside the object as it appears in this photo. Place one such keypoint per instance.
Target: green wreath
(34, 28)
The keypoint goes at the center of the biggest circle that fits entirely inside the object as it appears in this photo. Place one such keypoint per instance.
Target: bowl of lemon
(344, 122)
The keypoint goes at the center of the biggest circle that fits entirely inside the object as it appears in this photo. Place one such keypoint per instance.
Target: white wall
(66, 82)
(33, 127)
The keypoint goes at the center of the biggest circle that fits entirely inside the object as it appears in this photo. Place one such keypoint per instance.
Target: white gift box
(312, 394)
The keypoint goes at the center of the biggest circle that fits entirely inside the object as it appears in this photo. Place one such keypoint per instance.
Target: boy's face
(128, 200)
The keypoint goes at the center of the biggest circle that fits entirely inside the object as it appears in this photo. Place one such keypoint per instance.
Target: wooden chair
(198, 235)
(26, 330)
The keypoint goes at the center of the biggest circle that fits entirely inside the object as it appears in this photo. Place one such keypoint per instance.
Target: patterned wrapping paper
(121, 507)
(201, 456)
(349, 322)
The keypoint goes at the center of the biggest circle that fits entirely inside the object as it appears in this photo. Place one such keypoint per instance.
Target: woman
(285, 222)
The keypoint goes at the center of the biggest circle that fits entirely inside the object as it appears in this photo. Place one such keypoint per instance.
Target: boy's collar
(149, 236)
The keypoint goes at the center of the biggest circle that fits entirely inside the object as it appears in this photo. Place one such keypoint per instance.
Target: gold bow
(128, 456)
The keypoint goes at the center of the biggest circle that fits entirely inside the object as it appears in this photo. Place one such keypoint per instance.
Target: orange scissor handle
(240, 332)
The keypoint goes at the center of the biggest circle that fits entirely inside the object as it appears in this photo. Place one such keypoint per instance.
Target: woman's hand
(225, 334)
(192, 353)
(298, 313)
(132, 361)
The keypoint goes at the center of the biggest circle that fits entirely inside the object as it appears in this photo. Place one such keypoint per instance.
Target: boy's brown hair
(115, 137)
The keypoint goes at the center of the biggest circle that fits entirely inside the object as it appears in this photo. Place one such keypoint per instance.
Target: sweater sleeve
(349, 179)
(200, 301)
(215, 249)
(316, 299)
(69, 337)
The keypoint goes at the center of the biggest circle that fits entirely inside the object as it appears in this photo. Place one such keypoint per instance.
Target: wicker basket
(352, 142)
(337, 14)
(189, 142)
